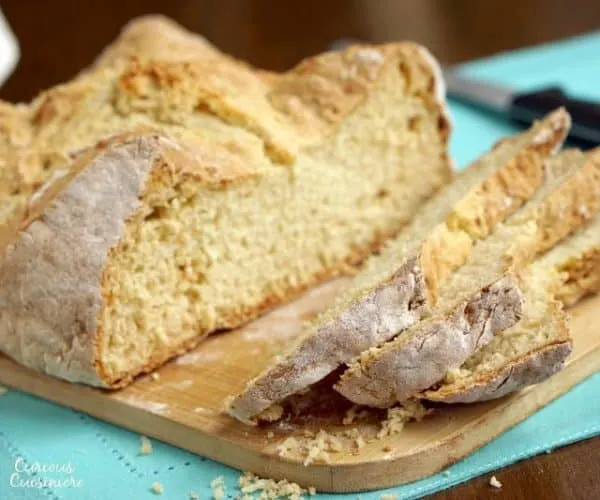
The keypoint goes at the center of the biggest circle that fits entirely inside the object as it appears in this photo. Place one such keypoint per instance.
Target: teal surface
(94, 460)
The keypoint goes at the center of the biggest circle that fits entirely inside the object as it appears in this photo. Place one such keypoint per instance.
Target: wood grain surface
(59, 37)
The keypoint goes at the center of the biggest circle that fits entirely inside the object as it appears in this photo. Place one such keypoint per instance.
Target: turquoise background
(105, 458)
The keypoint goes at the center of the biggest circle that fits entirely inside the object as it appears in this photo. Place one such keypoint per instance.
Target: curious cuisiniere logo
(38, 475)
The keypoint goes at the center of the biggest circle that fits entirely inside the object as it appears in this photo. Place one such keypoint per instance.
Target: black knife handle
(585, 115)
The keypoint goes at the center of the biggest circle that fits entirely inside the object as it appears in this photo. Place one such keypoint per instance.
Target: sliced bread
(243, 191)
(481, 298)
(397, 287)
(537, 346)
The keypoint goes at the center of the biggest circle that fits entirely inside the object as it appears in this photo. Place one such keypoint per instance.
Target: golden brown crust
(507, 190)
(227, 112)
(156, 37)
(500, 195)
(573, 204)
(582, 277)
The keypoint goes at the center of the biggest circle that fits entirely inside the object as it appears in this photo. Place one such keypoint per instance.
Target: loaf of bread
(327, 107)
(178, 192)
(479, 300)
(398, 287)
(539, 344)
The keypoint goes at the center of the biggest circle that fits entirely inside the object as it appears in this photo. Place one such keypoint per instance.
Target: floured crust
(402, 368)
(396, 304)
(398, 301)
(532, 368)
(52, 268)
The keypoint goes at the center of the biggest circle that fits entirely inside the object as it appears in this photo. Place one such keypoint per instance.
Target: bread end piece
(423, 354)
(53, 260)
(532, 367)
(393, 305)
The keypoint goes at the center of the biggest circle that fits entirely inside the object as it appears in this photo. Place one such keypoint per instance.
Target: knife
(526, 107)
(520, 107)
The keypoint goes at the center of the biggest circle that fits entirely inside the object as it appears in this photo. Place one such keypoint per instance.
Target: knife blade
(526, 107)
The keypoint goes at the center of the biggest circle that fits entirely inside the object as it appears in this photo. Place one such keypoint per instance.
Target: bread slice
(537, 346)
(396, 288)
(482, 298)
(228, 193)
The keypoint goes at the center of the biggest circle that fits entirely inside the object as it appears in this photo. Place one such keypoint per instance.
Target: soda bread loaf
(539, 344)
(157, 76)
(480, 299)
(398, 287)
(224, 192)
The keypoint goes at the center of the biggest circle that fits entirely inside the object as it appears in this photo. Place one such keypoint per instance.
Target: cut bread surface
(537, 346)
(249, 188)
(397, 287)
(462, 322)
(525, 354)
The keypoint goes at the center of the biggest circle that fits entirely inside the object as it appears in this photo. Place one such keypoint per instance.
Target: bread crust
(51, 270)
(155, 37)
(532, 368)
(171, 80)
(402, 368)
(582, 277)
(396, 304)
(413, 284)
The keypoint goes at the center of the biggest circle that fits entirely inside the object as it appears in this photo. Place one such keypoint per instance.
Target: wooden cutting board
(183, 407)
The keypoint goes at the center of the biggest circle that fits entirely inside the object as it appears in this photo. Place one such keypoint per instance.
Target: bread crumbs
(145, 445)
(157, 488)
(3, 390)
(218, 488)
(495, 483)
(317, 448)
(353, 414)
(269, 489)
(155, 376)
(388, 496)
(400, 415)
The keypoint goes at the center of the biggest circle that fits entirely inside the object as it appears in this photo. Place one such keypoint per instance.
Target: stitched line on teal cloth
(15, 453)
(505, 461)
(122, 459)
